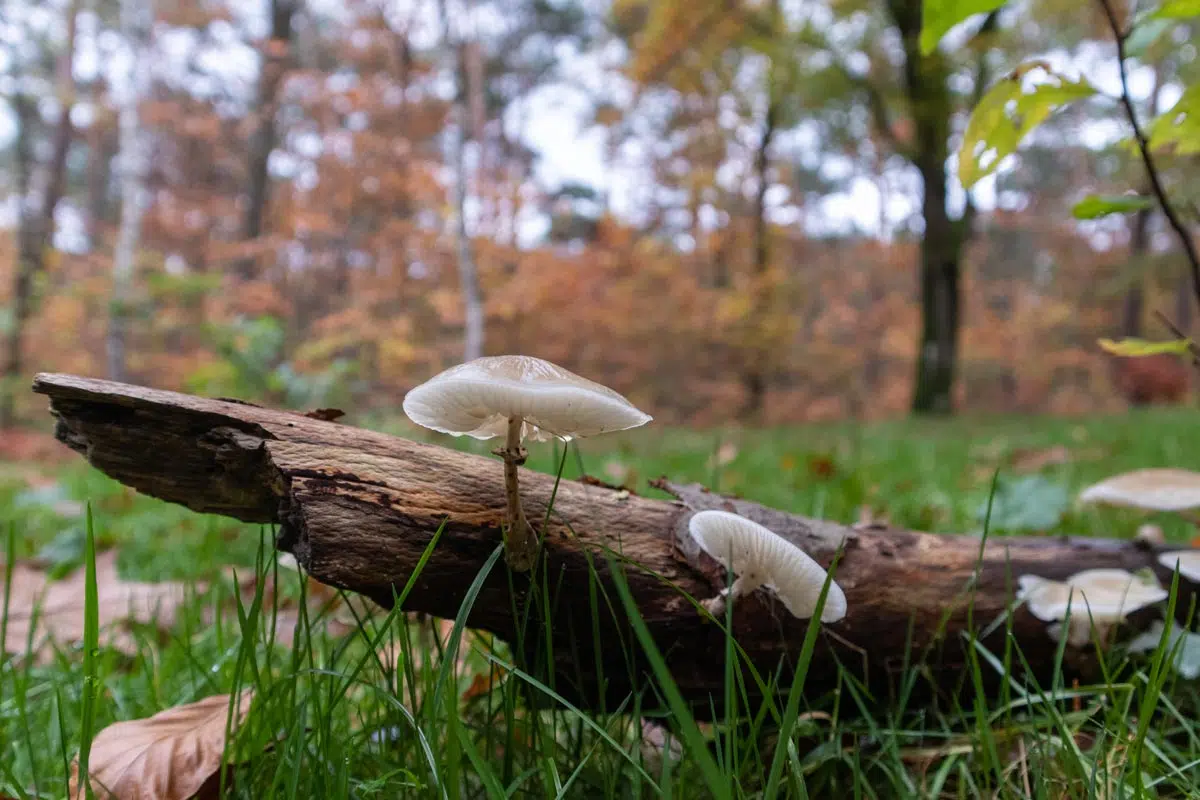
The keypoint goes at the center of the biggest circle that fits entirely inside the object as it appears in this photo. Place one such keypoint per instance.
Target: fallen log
(358, 508)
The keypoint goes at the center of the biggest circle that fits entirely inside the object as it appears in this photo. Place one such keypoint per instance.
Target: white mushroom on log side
(1188, 562)
(1183, 647)
(760, 557)
(1102, 597)
(518, 396)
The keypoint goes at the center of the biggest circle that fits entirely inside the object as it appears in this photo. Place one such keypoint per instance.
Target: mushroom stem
(741, 586)
(520, 542)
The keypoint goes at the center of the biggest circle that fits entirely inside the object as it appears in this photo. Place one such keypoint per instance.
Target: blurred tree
(274, 59)
(137, 21)
(38, 193)
(467, 71)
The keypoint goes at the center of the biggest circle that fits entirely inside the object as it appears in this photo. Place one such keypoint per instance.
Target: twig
(1185, 238)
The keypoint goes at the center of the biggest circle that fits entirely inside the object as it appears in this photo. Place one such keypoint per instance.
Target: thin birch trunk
(467, 272)
(136, 22)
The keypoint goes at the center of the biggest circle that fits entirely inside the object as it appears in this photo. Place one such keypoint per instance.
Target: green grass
(334, 717)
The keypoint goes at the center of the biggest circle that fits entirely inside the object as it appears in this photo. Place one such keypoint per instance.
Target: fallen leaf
(868, 517)
(725, 455)
(56, 608)
(616, 471)
(821, 466)
(1034, 459)
(168, 756)
(483, 683)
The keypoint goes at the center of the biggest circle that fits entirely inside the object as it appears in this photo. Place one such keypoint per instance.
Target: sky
(553, 120)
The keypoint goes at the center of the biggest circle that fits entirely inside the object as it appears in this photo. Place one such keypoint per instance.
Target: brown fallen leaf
(168, 756)
(1034, 459)
(59, 607)
(821, 466)
(725, 455)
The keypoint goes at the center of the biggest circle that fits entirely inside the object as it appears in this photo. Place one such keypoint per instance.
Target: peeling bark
(358, 509)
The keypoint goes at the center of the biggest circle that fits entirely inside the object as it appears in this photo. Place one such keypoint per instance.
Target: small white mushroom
(1187, 652)
(1108, 594)
(1148, 489)
(518, 396)
(760, 557)
(1150, 536)
(1188, 561)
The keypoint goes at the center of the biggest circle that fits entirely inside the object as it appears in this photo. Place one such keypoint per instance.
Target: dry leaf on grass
(59, 607)
(1036, 459)
(168, 756)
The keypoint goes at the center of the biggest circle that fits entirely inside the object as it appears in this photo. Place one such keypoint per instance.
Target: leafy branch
(1122, 36)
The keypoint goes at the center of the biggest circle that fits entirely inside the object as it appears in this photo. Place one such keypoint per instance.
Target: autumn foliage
(351, 294)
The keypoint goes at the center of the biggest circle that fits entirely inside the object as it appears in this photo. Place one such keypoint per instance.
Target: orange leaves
(172, 755)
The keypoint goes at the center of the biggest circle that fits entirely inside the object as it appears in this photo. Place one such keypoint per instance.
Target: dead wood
(358, 508)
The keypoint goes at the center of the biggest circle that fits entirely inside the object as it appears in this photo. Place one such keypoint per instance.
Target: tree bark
(275, 59)
(137, 19)
(36, 214)
(358, 509)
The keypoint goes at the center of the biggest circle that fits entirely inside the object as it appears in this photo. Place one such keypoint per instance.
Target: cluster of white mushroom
(520, 396)
(1099, 597)
(1105, 597)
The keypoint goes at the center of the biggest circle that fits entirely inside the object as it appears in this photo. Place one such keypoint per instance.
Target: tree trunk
(943, 240)
(468, 274)
(36, 216)
(275, 57)
(1185, 299)
(137, 19)
(359, 509)
(98, 172)
(754, 380)
(1139, 239)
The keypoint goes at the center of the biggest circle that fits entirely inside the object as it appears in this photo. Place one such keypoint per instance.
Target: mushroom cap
(477, 399)
(1187, 657)
(1188, 560)
(748, 548)
(1108, 594)
(1151, 489)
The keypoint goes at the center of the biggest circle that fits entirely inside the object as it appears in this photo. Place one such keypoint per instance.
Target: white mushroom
(1187, 652)
(1100, 596)
(1188, 561)
(1150, 536)
(761, 557)
(1149, 489)
(518, 396)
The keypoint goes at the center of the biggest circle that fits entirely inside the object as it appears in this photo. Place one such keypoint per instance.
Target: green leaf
(1178, 9)
(1098, 205)
(939, 16)
(1145, 33)
(1178, 130)
(1030, 503)
(1008, 112)
(1141, 347)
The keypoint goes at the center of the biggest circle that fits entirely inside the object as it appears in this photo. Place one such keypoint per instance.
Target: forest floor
(337, 716)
